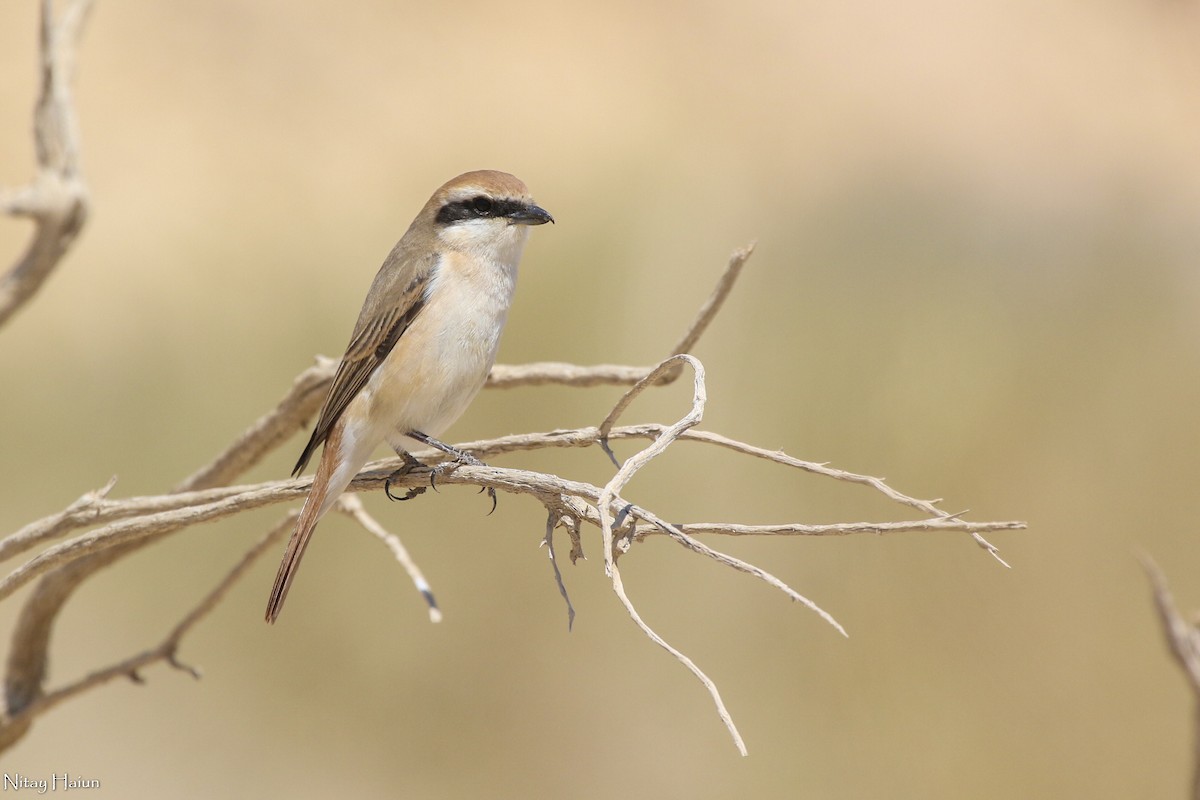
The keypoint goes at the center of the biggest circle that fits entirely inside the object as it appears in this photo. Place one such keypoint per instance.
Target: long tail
(337, 468)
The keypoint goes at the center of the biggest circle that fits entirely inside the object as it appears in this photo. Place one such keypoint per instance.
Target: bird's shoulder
(397, 293)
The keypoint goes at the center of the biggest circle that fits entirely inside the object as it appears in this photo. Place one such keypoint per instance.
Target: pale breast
(440, 363)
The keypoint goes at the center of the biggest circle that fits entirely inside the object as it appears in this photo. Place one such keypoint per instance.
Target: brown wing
(396, 298)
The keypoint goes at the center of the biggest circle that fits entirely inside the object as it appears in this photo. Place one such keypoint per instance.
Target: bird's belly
(437, 367)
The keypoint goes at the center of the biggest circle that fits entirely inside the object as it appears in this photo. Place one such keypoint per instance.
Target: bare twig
(544, 373)
(552, 521)
(83, 511)
(722, 711)
(351, 505)
(710, 308)
(695, 546)
(832, 529)
(96, 510)
(779, 457)
(57, 197)
(1182, 636)
(149, 526)
(1183, 639)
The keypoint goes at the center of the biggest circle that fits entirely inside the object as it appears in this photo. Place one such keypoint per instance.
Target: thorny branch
(105, 530)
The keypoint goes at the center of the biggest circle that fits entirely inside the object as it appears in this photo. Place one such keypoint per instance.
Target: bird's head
(484, 212)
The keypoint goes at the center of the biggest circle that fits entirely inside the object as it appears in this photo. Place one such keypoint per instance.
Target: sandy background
(976, 275)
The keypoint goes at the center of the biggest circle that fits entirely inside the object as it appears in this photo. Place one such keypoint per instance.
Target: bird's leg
(410, 463)
(460, 457)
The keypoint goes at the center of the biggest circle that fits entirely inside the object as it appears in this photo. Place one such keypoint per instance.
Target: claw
(387, 486)
(460, 457)
(409, 465)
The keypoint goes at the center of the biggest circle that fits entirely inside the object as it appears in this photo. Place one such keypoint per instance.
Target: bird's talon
(387, 486)
(461, 458)
(409, 465)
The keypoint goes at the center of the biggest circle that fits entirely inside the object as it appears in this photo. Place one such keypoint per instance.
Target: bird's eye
(482, 206)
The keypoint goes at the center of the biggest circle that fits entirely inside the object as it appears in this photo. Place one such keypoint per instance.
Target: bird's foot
(461, 458)
(409, 465)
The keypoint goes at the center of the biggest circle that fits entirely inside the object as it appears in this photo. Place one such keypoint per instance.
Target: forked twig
(610, 493)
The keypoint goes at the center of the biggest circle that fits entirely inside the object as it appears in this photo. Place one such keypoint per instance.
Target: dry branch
(611, 494)
(15, 725)
(56, 200)
(141, 518)
(128, 524)
(1183, 639)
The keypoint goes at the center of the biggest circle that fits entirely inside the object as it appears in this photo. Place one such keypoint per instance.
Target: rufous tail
(324, 491)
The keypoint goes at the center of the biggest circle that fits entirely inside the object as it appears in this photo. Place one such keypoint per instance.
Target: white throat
(494, 240)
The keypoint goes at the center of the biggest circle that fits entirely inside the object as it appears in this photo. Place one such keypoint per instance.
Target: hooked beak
(530, 215)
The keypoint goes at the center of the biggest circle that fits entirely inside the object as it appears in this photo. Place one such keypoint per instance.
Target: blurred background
(976, 275)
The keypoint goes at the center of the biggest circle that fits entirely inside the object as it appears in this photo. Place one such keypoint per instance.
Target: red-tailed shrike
(424, 343)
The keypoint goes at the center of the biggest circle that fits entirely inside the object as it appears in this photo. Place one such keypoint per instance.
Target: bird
(424, 343)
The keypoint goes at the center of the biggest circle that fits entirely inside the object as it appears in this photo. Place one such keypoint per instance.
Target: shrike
(424, 342)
